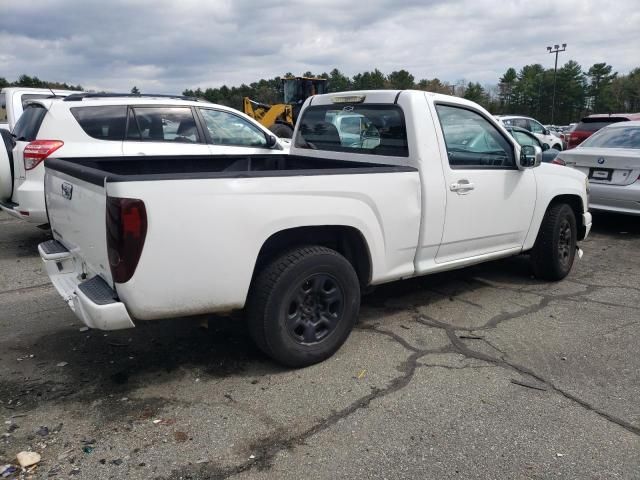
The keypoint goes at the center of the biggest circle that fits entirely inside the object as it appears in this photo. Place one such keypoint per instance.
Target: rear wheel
(281, 130)
(555, 248)
(6, 166)
(557, 146)
(303, 305)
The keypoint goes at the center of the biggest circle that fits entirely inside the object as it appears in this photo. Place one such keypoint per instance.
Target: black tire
(558, 147)
(303, 305)
(555, 248)
(6, 170)
(281, 130)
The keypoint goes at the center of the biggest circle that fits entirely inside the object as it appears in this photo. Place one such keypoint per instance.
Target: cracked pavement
(484, 372)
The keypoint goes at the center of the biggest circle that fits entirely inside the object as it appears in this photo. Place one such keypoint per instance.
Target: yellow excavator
(281, 117)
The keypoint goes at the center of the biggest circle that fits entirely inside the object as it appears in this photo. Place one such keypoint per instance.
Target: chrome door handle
(462, 187)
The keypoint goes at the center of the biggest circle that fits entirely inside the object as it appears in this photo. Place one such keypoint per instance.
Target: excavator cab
(298, 89)
(280, 118)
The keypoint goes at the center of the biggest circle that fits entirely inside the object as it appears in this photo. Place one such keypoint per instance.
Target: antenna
(51, 90)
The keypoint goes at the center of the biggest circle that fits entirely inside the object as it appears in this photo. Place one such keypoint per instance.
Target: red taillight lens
(126, 232)
(559, 161)
(38, 150)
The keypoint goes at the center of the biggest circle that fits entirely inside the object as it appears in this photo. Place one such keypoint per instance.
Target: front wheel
(303, 305)
(555, 248)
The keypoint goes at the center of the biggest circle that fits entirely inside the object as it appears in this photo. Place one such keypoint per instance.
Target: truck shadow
(100, 365)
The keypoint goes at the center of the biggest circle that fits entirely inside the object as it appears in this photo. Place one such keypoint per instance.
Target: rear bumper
(92, 300)
(615, 198)
(30, 206)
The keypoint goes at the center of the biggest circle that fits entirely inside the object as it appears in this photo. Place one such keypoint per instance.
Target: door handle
(462, 187)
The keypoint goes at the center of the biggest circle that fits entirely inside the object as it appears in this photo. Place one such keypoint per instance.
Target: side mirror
(545, 131)
(272, 140)
(530, 156)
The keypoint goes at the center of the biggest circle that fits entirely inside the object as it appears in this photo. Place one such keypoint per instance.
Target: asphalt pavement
(481, 373)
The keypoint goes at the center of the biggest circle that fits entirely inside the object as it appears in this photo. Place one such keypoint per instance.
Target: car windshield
(615, 137)
(3, 107)
(524, 139)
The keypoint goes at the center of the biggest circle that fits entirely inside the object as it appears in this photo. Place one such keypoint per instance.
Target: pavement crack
(391, 335)
(266, 449)
(462, 348)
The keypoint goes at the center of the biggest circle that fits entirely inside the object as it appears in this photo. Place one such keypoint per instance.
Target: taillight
(559, 161)
(126, 232)
(36, 151)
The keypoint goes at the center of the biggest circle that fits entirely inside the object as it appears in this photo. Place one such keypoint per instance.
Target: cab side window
(472, 141)
(225, 128)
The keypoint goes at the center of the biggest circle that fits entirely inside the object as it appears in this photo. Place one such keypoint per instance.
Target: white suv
(534, 126)
(107, 125)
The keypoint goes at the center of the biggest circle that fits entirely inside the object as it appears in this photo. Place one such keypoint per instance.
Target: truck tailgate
(77, 210)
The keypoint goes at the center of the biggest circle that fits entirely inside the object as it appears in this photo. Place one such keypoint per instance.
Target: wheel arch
(575, 202)
(346, 240)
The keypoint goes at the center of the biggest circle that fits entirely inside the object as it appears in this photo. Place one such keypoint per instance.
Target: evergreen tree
(599, 91)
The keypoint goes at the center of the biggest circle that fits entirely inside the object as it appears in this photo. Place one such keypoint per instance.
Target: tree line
(35, 82)
(529, 91)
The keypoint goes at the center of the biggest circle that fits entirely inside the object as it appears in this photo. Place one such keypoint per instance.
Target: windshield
(370, 129)
(524, 139)
(3, 107)
(615, 137)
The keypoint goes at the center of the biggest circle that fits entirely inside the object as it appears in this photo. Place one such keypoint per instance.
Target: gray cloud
(165, 46)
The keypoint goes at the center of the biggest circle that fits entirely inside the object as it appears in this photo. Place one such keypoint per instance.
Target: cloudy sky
(165, 46)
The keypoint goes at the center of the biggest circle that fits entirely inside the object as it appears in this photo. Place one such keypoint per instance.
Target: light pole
(556, 49)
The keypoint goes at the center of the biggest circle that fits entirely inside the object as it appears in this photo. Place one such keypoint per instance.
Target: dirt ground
(479, 373)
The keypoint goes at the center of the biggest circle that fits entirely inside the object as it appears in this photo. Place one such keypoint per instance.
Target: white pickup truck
(293, 239)
(13, 100)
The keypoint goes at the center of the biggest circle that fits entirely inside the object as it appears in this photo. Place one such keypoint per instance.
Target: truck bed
(97, 170)
(208, 218)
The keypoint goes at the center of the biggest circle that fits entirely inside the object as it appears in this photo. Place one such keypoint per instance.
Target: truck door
(490, 202)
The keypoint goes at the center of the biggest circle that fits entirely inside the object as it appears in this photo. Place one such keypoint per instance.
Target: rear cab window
(355, 128)
(25, 97)
(102, 122)
(28, 125)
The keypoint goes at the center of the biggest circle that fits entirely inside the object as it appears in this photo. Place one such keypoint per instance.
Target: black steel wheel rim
(564, 242)
(314, 308)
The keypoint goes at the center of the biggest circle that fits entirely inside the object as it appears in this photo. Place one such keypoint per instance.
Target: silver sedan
(611, 160)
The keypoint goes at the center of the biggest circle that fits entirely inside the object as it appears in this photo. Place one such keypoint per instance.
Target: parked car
(112, 125)
(293, 239)
(535, 127)
(611, 159)
(13, 100)
(591, 124)
(525, 137)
